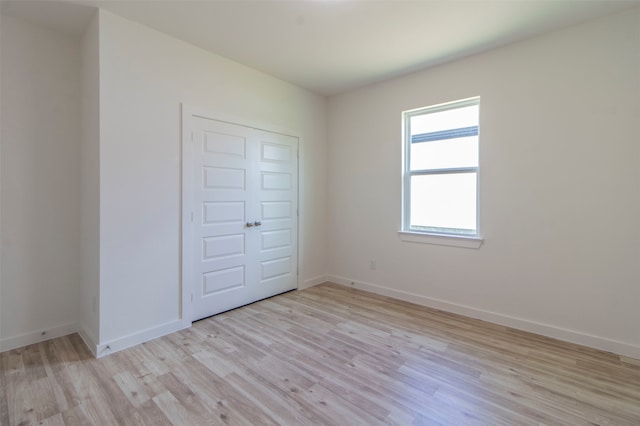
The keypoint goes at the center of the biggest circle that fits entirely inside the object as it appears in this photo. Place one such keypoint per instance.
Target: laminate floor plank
(55, 420)
(76, 416)
(327, 355)
(403, 398)
(253, 389)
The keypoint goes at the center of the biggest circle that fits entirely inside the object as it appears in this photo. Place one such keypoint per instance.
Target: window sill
(441, 240)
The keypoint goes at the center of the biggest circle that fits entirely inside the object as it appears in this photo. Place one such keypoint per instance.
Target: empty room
(319, 212)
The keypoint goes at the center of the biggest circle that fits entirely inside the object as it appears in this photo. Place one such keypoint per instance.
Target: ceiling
(331, 46)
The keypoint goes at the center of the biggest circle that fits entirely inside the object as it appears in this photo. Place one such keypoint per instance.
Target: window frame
(433, 236)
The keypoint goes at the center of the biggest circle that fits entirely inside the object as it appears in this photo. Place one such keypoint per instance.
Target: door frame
(186, 198)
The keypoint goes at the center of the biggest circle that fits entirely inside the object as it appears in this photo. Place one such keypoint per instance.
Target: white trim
(313, 281)
(133, 339)
(97, 350)
(441, 240)
(186, 230)
(27, 339)
(300, 214)
(407, 173)
(241, 121)
(548, 330)
(445, 106)
(89, 341)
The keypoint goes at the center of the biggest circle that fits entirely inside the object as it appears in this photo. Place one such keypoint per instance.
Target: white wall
(144, 76)
(560, 197)
(40, 183)
(90, 185)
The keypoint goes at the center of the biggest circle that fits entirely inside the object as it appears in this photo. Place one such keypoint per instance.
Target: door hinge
(192, 136)
(191, 297)
(191, 217)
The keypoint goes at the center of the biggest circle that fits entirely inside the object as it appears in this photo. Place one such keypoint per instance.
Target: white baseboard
(27, 339)
(88, 340)
(596, 342)
(133, 339)
(313, 281)
(98, 350)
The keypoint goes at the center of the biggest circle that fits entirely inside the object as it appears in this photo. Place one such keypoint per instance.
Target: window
(440, 182)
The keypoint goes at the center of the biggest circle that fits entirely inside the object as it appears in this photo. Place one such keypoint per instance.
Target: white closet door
(244, 226)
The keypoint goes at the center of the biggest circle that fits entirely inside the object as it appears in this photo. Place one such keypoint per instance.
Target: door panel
(223, 280)
(217, 212)
(276, 239)
(244, 215)
(278, 196)
(226, 145)
(223, 178)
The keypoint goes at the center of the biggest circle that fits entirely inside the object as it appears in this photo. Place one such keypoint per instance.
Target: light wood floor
(325, 355)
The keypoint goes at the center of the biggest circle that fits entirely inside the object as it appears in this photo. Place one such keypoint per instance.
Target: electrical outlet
(372, 265)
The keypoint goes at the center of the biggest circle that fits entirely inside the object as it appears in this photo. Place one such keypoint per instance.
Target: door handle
(257, 223)
(249, 224)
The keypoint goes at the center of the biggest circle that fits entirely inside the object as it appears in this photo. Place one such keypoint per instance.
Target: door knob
(257, 223)
(249, 224)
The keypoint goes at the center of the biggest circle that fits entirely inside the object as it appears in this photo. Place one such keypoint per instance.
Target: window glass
(441, 168)
(445, 120)
(448, 153)
(444, 202)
